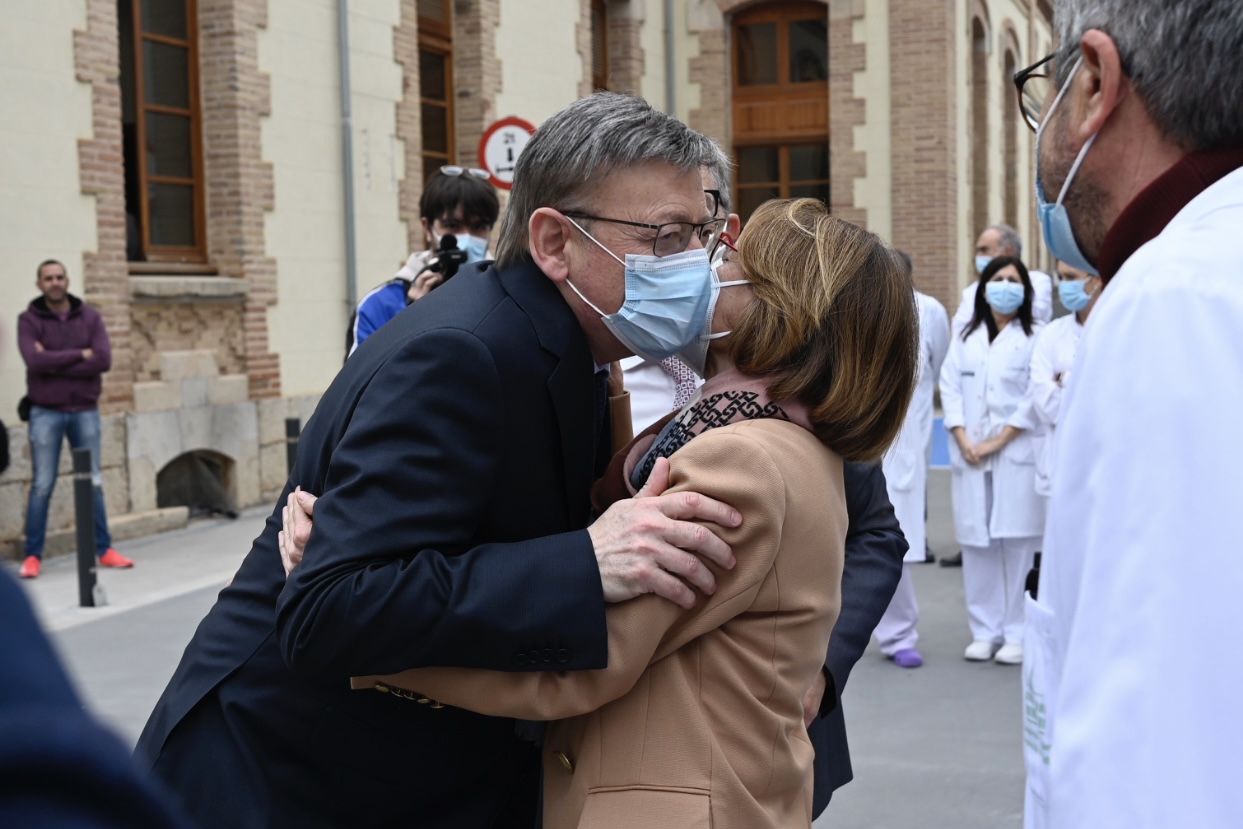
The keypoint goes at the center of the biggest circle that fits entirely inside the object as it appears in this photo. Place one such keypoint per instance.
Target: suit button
(565, 762)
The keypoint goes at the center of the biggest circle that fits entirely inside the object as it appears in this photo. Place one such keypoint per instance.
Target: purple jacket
(59, 377)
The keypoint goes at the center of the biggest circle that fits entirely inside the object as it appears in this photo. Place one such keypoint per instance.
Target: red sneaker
(30, 568)
(111, 558)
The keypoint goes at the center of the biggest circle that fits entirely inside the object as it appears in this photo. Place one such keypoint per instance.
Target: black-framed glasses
(1034, 86)
(455, 170)
(670, 237)
(714, 202)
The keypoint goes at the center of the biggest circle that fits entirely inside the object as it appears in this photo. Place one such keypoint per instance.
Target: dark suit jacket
(453, 458)
(58, 767)
(875, 546)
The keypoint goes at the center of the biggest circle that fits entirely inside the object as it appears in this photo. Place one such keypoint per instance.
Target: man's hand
(296, 520)
(813, 698)
(39, 346)
(87, 353)
(649, 543)
(423, 285)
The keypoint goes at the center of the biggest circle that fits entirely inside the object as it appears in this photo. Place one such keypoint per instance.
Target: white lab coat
(983, 389)
(1133, 674)
(1042, 302)
(1053, 357)
(906, 463)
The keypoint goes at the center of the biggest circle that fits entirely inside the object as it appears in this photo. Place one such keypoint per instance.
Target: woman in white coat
(1053, 356)
(998, 517)
(906, 478)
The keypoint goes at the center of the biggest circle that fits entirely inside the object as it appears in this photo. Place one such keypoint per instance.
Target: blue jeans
(48, 430)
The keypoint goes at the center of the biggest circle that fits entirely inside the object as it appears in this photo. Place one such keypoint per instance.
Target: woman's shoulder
(746, 446)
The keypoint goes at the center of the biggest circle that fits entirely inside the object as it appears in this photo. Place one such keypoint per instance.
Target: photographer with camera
(457, 210)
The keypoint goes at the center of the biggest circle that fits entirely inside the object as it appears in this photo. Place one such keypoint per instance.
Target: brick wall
(409, 131)
(476, 73)
(582, 43)
(105, 279)
(846, 112)
(710, 70)
(235, 98)
(625, 47)
(924, 171)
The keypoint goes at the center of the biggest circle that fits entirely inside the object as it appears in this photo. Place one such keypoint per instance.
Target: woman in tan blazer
(698, 719)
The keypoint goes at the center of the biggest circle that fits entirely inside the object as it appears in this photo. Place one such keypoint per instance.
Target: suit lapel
(569, 382)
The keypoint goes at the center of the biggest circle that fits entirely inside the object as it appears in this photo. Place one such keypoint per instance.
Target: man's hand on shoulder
(651, 543)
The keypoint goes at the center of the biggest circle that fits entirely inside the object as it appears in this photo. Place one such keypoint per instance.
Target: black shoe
(952, 561)
(929, 556)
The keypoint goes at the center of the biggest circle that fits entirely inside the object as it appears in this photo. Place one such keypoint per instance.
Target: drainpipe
(670, 80)
(347, 151)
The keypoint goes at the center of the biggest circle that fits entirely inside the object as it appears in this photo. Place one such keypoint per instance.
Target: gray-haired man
(1132, 673)
(453, 456)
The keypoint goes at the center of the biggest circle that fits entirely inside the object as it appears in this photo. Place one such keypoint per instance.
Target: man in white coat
(1132, 679)
(1003, 240)
(906, 477)
(1053, 357)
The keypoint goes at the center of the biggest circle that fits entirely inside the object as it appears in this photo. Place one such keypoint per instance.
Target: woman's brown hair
(834, 324)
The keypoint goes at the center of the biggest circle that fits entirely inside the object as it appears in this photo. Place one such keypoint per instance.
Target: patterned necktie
(685, 381)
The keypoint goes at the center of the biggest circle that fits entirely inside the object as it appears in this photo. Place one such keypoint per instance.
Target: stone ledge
(122, 528)
(186, 288)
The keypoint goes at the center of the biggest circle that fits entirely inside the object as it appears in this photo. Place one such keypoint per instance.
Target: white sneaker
(981, 650)
(1009, 655)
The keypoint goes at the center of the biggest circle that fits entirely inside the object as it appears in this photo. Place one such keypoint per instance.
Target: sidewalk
(204, 554)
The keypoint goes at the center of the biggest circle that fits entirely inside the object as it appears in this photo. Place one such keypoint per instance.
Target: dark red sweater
(59, 377)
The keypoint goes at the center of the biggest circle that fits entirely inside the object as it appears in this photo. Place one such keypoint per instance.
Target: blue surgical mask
(476, 247)
(1059, 237)
(981, 262)
(667, 304)
(1074, 294)
(695, 355)
(1004, 297)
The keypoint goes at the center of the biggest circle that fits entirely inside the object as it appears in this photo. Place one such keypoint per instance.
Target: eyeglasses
(455, 170)
(714, 202)
(670, 237)
(1034, 86)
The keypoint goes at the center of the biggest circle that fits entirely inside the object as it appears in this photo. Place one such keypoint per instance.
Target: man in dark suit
(59, 768)
(453, 456)
(875, 547)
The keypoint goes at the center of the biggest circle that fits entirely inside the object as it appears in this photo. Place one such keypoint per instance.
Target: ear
(733, 225)
(1101, 81)
(549, 236)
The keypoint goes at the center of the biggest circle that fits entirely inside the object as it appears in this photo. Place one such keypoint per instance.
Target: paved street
(933, 747)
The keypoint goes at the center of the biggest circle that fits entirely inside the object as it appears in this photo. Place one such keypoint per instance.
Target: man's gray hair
(1183, 57)
(1009, 238)
(575, 149)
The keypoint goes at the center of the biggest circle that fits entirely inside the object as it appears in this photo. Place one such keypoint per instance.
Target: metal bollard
(293, 428)
(90, 592)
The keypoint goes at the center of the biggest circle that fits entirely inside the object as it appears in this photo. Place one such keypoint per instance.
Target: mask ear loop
(574, 287)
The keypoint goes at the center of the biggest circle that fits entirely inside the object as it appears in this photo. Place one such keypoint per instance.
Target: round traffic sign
(500, 147)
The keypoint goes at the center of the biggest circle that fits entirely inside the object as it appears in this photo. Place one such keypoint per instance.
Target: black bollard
(84, 518)
(293, 428)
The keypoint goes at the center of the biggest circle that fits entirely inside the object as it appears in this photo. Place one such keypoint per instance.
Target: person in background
(66, 349)
(998, 518)
(906, 476)
(457, 201)
(1004, 240)
(1131, 692)
(1053, 356)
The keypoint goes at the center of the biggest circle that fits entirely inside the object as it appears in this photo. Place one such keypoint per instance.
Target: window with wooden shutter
(161, 137)
(599, 45)
(781, 103)
(436, 84)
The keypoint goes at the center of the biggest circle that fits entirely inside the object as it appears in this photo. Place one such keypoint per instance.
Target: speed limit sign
(500, 147)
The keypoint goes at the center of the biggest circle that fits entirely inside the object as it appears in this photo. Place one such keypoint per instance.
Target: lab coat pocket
(1041, 677)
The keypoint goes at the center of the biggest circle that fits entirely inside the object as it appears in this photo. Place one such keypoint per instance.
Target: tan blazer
(697, 721)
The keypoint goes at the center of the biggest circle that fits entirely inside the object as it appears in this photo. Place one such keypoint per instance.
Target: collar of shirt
(1158, 203)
